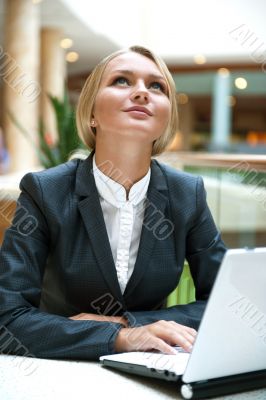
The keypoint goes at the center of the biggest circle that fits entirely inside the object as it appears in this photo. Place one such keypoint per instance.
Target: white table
(37, 379)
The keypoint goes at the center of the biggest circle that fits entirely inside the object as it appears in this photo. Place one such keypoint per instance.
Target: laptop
(229, 354)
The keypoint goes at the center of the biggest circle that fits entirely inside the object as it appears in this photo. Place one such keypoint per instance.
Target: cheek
(102, 103)
(165, 111)
(105, 102)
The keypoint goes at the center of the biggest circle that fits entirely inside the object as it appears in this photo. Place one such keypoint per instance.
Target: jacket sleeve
(24, 329)
(204, 253)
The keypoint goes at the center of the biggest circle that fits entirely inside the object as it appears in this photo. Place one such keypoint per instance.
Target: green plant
(49, 153)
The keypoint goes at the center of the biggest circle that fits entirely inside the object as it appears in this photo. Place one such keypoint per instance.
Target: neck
(125, 164)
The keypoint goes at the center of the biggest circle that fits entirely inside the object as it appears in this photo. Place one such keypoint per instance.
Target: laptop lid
(232, 334)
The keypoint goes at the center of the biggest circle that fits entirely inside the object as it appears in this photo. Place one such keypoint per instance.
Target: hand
(160, 336)
(102, 318)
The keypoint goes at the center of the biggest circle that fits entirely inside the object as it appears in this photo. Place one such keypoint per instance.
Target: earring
(92, 122)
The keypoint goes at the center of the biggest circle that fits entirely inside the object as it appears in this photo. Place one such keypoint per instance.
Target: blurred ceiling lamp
(66, 43)
(199, 59)
(223, 71)
(182, 98)
(241, 83)
(72, 56)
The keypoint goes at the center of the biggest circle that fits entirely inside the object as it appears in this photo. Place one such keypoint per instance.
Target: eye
(158, 86)
(121, 81)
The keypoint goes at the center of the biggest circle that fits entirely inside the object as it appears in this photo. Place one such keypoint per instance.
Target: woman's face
(132, 102)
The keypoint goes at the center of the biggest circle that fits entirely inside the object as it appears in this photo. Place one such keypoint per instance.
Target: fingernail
(174, 352)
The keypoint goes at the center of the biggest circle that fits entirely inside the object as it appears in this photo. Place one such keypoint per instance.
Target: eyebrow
(128, 72)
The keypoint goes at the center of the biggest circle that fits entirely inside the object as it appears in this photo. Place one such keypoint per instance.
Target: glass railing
(236, 194)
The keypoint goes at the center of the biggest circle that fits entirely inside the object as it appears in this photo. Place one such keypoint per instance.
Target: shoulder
(58, 179)
(186, 193)
(177, 178)
(185, 190)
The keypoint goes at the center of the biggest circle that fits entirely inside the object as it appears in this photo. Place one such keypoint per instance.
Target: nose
(140, 93)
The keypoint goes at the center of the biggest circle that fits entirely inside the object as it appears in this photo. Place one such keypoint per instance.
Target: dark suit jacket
(56, 261)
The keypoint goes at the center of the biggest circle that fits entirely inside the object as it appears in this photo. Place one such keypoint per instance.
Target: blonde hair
(90, 89)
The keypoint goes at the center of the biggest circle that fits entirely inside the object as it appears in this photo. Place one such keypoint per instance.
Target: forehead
(134, 62)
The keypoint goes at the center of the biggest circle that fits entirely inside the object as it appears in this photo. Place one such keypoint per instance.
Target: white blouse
(123, 219)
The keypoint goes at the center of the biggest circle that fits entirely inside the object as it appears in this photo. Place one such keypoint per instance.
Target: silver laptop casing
(232, 335)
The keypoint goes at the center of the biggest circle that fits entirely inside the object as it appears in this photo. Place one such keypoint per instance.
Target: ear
(93, 122)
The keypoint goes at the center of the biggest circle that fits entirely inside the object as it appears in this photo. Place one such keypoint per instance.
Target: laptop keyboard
(180, 349)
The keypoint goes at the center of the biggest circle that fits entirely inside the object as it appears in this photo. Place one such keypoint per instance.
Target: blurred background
(216, 52)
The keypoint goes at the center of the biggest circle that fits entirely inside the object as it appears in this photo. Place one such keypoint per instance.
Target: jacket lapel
(91, 212)
(154, 212)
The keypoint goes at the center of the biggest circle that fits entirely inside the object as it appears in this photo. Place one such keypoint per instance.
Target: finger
(187, 335)
(188, 340)
(163, 347)
(142, 339)
(180, 338)
(184, 343)
(192, 331)
(181, 341)
(172, 334)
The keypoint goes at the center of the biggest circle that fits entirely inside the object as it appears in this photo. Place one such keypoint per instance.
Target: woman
(87, 269)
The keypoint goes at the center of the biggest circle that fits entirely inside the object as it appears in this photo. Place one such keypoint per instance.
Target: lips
(139, 109)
